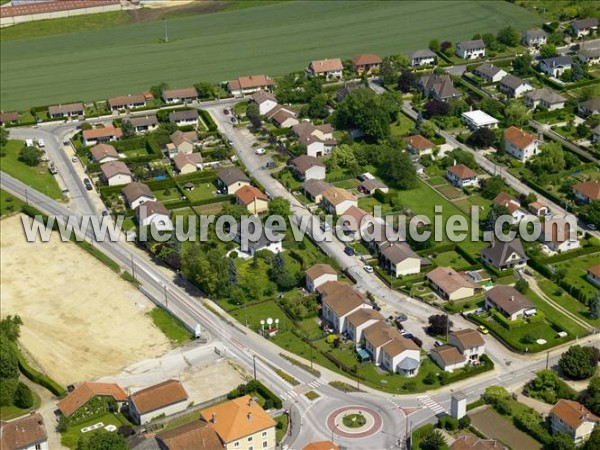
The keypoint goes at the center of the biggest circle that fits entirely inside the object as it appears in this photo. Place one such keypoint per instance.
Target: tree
(436, 108)
(522, 285)
(343, 157)
(493, 394)
(591, 399)
(592, 213)
(389, 70)
(516, 113)
(407, 81)
(206, 91)
(509, 36)
(102, 440)
(491, 187)
(157, 89)
(548, 51)
(3, 136)
(551, 159)
(493, 107)
(446, 48)
(593, 443)
(490, 41)
(579, 363)
(252, 110)
(460, 156)
(30, 156)
(365, 110)
(206, 267)
(495, 213)
(434, 441)
(10, 327)
(9, 364)
(280, 274)
(317, 108)
(8, 387)
(398, 169)
(127, 128)
(280, 206)
(427, 128)
(594, 307)
(560, 441)
(434, 45)
(439, 324)
(481, 138)
(23, 396)
(522, 65)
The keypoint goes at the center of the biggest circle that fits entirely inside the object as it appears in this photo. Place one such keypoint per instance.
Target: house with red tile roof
(366, 63)
(168, 397)
(461, 176)
(87, 391)
(574, 419)
(249, 85)
(328, 68)
(520, 144)
(586, 192)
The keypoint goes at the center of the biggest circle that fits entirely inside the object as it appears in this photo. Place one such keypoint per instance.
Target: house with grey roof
(584, 27)
(470, 49)
(555, 67)
(313, 189)
(589, 107)
(232, 179)
(399, 259)
(590, 56)
(545, 98)
(143, 124)
(424, 57)
(439, 87)
(490, 73)
(184, 118)
(534, 38)
(513, 86)
(505, 255)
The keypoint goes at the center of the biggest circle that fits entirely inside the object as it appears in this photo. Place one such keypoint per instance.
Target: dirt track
(81, 320)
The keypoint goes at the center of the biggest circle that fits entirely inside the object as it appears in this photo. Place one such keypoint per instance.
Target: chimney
(512, 298)
(214, 418)
(249, 417)
(250, 401)
(454, 162)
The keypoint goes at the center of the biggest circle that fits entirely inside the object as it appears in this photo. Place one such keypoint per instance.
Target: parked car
(376, 307)
(402, 318)
(226, 111)
(398, 324)
(259, 151)
(229, 141)
(408, 335)
(74, 159)
(41, 143)
(270, 165)
(438, 343)
(368, 269)
(88, 184)
(349, 251)
(592, 226)
(233, 120)
(483, 330)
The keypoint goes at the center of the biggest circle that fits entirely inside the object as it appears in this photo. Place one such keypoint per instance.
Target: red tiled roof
(518, 137)
(591, 189)
(462, 171)
(158, 396)
(366, 59)
(326, 65)
(52, 6)
(572, 413)
(96, 133)
(418, 142)
(247, 194)
(85, 392)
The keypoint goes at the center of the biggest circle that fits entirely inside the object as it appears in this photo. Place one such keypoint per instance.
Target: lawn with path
(226, 45)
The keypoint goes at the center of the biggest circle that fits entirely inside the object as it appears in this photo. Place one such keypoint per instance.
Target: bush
(493, 394)
(448, 423)
(23, 396)
(579, 363)
(504, 407)
(8, 387)
(465, 422)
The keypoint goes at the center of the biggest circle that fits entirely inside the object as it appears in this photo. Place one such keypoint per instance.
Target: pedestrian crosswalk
(431, 404)
(315, 384)
(290, 395)
(391, 400)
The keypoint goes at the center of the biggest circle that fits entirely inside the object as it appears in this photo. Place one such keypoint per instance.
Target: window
(250, 439)
(237, 444)
(264, 434)
(265, 443)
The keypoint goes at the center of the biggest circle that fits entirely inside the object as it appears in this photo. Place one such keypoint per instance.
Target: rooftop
(85, 392)
(158, 396)
(479, 118)
(509, 299)
(449, 280)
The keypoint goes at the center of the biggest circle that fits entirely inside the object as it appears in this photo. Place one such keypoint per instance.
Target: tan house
(509, 302)
(265, 101)
(448, 358)
(187, 162)
(184, 141)
(571, 417)
(586, 192)
(339, 300)
(67, 110)
(593, 275)
(319, 274)
(137, 193)
(538, 209)
(419, 145)
(307, 167)
(127, 102)
(168, 397)
(183, 95)
(451, 285)
(328, 68)
(337, 201)
(103, 153)
(241, 424)
(468, 342)
(230, 180)
(366, 63)
(399, 259)
(282, 117)
(313, 189)
(249, 85)
(253, 199)
(100, 135)
(360, 320)
(116, 173)
(354, 221)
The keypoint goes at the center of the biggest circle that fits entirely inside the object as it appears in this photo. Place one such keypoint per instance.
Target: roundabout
(354, 422)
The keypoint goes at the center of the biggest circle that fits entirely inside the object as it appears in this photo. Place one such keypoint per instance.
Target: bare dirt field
(81, 320)
(494, 426)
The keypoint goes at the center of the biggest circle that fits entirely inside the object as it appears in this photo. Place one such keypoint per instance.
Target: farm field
(69, 67)
(81, 319)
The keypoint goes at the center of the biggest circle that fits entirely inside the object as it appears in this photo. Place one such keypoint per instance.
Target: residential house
(468, 441)
(399, 259)
(589, 56)
(85, 392)
(593, 275)
(343, 92)
(470, 49)
(468, 342)
(242, 424)
(513, 86)
(574, 419)
(337, 201)
(184, 95)
(155, 214)
(307, 167)
(9, 118)
(143, 124)
(100, 135)
(102, 153)
(538, 209)
(520, 144)
(253, 199)
(166, 398)
(183, 142)
(505, 255)
(583, 27)
(371, 185)
(424, 57)
(438, 87)
(184, 118)
(509, 302)
(556, 66)
(137, 194)
(448, 358)
(359, 320)
(534, 38)
(339, 300)
(318, 140)
(451, 285)
(116, 173)
(282, 117)
(545, 98)
(265, 101)
(596, 133)
(68, 110)
(559, 234)
(589, 108)
(478, 119)
(366, 63)
(268, 240)
(127, 102)
(187, 162)
(196, 435)
(319, 274)
(512, 204)
(26, 433)
(249, 85)
(419, 145)
(390, 350)
(461, 176)
(328, 68)
(313, 189)
(490, 73)
(232, 179)
(353, 222)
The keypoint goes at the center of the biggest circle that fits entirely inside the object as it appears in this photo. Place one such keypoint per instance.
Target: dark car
(376, 307)
(398, 324)
(225, 111)
(270, 165)
(402, 318)
(349, 251)
(88, 184)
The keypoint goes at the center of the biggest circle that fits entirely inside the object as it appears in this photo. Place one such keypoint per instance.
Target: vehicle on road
(233, 120)
(375, 306)
(41, 143)
(29, 142)
(349, 251)
(592, 226)
(483, 330)
(104, 213)
(74, 159)
(402, 318)
(270, 165)
(438, 343)
(229, 141)
(368, 269)
(88, 184)
(259, 151)
(226, 111)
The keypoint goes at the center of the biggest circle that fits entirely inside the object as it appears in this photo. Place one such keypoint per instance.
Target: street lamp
(262, 325)
(277, 323)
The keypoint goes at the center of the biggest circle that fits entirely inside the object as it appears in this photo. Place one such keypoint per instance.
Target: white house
(534, 38)
(319, 274)
(470, 49)
(26, 433)
(318, 140)
(390, 350)
(249, 85)
(143, 124)
(100, 135)
(328, 68)
(188, 117)
(574, 419)
(512, 204)
(358, 321)
(155, 214)
(423, 57)
(137, 194)
(337, 201)
(509, 302)
(265, 101)
(520, 144)
(263, 242)
(593, 275)
(461, 176)
(68, 110)
(307, 167)
(451, 285)
(183, 95)
(558, 235)
(468, 342)
(555, 67)
(339, 300)
(282, 117)
(589, 56)
(230, 180)
(183, 142)
(546, 98)
(505, 255)
(448, 358)
(514, 87)
(103, 153)
(584, 27)
(478, 119)
(187, 162)
(490, 73)
(127, 102)
(399, 259)
(116, 173)
(166, 398)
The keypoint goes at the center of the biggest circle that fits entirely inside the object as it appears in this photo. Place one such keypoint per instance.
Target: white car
(260, 151)
(41, 143)
(368, 269)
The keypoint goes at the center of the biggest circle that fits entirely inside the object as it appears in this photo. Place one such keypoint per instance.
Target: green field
(8, 203)
(170, 326)
(273, 39)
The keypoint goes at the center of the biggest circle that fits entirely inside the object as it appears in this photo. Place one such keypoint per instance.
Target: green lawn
(451, 258)
(66, 67)
(576, 272)
(202, 191)
(170, 326)
(70, 437)
(8, 203)
(39, 178)
(280, 432)
(12, 412)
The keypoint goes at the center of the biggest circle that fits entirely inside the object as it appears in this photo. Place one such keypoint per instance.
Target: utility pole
(166, 31)
(254, 365)
(547, 359)
(447, 326)
(166, 297)
(132, 267)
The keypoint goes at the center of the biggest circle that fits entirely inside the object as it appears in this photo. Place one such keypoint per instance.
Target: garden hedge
(37, 377)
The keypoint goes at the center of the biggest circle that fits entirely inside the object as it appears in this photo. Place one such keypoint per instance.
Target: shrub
(430, 378)
(23, 396)
(448, 423)
(465, 422)
(504, 407)
(493, 394)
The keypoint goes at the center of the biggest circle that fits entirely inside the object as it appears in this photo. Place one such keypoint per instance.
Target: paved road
(547, 131)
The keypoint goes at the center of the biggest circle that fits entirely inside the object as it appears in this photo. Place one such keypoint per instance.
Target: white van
(41, 143)
(29, 142)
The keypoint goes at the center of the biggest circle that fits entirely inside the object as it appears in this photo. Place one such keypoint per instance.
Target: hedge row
(207, 118)
(259, 388)
(131, 143)
(37, 377)
(485, 364)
